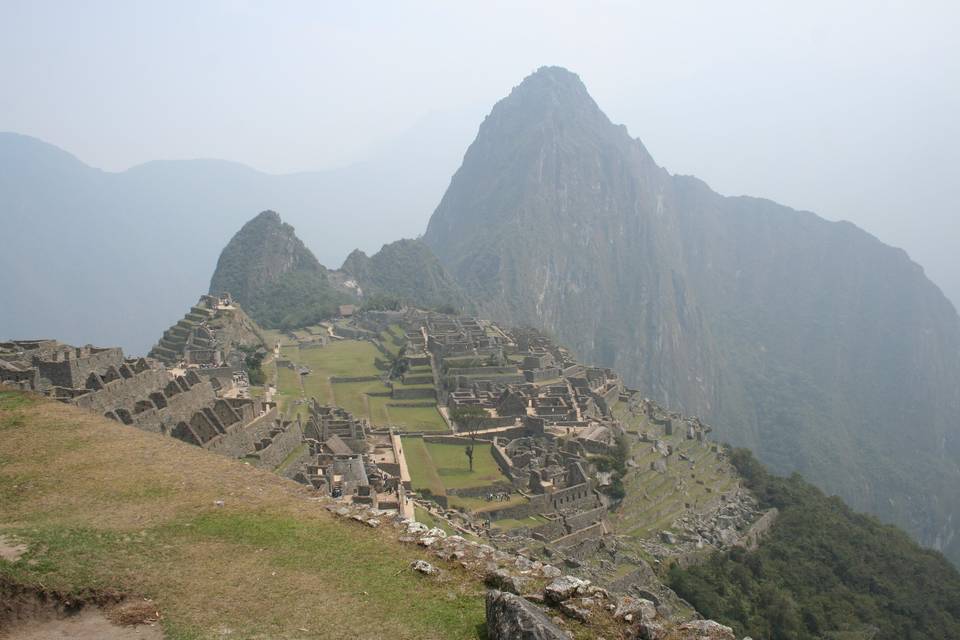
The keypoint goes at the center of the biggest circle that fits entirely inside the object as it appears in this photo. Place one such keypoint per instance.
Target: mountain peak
(267, 216)
(277, 280)
(559, 76)
(552, 87)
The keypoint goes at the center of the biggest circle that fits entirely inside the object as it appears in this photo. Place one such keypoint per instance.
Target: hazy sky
(849, 109)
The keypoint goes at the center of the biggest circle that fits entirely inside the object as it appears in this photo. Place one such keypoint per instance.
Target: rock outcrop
(511, 617)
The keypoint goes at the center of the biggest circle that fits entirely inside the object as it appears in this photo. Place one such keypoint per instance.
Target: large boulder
(510, 617)
(705, 630)
(505, 581)
(634, 609)
(563, 588)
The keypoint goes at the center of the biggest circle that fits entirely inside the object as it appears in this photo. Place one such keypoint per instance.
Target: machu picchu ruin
(486, 433)
(208, 335)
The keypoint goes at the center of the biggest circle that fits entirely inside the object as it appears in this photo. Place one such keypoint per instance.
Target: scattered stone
(426, 541)
(707, 630)
(652, 631)
(636, 608)
(424, 567)
(550, 571)
(373, 522)
(510, 617)
(218, 503)
(578, 608)
(596, 592)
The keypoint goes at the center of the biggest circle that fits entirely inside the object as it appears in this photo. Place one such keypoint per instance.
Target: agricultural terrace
(365, 398)
(439, 467)
(652, 500)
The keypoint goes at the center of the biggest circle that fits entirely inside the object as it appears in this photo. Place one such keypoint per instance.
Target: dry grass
(104, 506)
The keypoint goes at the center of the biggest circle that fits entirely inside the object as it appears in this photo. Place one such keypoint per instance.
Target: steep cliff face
(813, 343)
(406, 270)
(270, 272)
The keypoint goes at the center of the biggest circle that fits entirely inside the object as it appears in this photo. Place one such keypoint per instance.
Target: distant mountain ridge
(114, 258)
(814, 344)
(282, 285)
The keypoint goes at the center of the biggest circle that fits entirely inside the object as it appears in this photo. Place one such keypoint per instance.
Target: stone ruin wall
(280, 445)
(181, 407)
(72, 372)
(237, 442)
(591, 533)
(124, 393)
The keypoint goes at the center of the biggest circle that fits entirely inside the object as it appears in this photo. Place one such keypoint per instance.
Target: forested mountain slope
(409, 272)
(811, 342)
(270, 272)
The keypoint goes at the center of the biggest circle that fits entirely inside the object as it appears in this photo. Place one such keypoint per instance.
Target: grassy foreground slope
(105, 506)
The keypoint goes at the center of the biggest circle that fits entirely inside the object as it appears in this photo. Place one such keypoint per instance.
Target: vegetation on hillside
(406, 271)
(274, 277)
(253, 364)
(616, 464)
(296, 299)
(824, 571)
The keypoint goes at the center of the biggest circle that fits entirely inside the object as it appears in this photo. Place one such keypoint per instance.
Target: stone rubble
(518, 583)
(424, 567)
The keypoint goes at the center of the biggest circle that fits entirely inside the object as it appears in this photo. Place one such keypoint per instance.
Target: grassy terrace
(439, 467)
(369, 399)
(273, 337)
(652, 504)
(423, 516)
(393, 339)
(512, 523)
(288, 387)
(342, 358)
(138, 516)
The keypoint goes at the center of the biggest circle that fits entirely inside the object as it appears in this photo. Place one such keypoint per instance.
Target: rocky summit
(268, 270)
(813, 343)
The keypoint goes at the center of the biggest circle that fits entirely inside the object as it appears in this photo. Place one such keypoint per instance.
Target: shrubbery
(824, 571)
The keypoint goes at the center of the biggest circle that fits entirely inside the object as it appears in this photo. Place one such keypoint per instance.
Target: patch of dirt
(33, 614)
(89, 624)
(10, 550)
